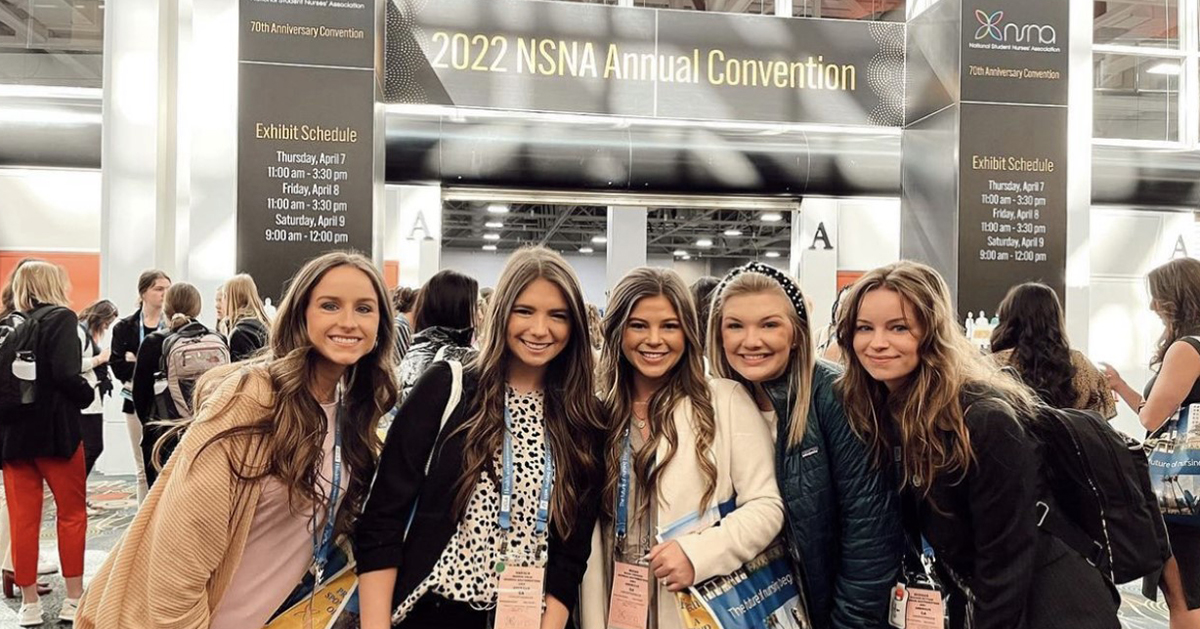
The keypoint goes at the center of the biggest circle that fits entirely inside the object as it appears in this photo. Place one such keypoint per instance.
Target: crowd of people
(516, 457)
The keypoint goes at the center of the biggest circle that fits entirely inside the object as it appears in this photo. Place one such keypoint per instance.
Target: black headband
(789, 286)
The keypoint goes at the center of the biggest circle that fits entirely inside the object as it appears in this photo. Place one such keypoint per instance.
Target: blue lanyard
(622, 524)
(142, 325)
(506, 484)
(323, 545)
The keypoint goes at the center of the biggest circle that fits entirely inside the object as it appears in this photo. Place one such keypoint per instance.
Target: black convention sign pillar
(308, 161)
(984, 167)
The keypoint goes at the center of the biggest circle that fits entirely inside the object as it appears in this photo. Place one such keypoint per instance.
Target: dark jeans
(92, 429)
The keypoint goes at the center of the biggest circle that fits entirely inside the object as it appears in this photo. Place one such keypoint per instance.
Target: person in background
(1175, 298)
(595, 329)
(827, 346)
(247, 321)
(403, 300)
(843, 522)
(10, 319)
(127, 337)
(678, 448)
(528, 414)
(444, 322)
(702, 291)
(94, 322)
(182, 306)
(222, 311)
(953, 427)
(1032, 339)
(46, 447)
(275, 466)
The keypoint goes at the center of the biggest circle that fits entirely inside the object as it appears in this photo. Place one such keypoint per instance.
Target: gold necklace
(638, 421)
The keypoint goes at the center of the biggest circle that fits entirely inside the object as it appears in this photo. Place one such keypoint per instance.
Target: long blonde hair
(685, 385)
(572, 414)
(292, 421)
(39, 283)
(242, 301)
(926, 410)
(801, 362)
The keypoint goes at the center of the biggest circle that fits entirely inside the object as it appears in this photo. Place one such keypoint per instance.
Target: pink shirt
(279, 549)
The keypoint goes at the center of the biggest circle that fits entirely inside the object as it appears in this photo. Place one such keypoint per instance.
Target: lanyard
(323, 545)
(506, 484)
(622, 524)
(142, 325)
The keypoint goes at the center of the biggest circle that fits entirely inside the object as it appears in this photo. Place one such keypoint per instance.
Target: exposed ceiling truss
(569, 228)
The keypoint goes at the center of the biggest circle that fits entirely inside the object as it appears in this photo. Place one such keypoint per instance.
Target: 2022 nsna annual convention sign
(571, 57)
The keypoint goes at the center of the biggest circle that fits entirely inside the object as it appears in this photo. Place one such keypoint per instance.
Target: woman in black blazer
(127, 337)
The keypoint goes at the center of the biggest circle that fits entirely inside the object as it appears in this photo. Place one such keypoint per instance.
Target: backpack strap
(456, 390)
(441, 355)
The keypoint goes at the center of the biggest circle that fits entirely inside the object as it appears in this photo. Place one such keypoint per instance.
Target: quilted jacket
(843, 520)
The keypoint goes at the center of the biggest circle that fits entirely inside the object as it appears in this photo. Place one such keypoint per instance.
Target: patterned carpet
(116, 500)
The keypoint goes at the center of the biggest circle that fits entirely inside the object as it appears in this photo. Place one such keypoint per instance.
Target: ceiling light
(491, 236)
(586, 250)
(680, 252)
(772, 217)
(489, 247)
(772, 254)
(686, 257)
(1169, 68)
(494, 225)
(704, 242)
(733, 233)
(599, 240)
(497, 208)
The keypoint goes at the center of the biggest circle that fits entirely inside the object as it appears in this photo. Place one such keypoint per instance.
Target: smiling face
(154, 296)
(653, 340)
(758, 335)
(342, 318)
(887, 337)
(539, 325)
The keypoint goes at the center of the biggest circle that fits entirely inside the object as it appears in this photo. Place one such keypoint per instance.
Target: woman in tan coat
(277, 453)
(681, 452)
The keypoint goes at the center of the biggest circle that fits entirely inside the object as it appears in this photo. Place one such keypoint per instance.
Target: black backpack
(9, 324)
(17, 396)
(1100, 502)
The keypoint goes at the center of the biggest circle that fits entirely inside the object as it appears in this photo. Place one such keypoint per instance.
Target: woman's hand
(103, 357)
(671, 566)
(1113, 378)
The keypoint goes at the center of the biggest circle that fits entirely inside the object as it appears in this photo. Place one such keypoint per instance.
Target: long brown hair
(1175, 290)
(685, 385)
(181, 304)
(293, 425)
(926, 411)
(800, 364)
(572, 413)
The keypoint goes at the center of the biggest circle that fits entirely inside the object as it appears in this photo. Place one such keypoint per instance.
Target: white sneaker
(69, 607)
(30, 614)
(47, 567)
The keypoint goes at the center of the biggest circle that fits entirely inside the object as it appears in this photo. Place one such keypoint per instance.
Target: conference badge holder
(521, 577)
(918, 601)
(629, 603)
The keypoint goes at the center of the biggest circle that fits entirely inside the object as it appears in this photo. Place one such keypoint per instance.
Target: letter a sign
(822, 236)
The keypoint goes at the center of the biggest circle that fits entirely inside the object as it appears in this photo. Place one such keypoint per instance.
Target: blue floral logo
(989, 25)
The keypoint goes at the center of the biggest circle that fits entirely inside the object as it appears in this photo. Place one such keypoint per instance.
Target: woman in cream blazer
(689, 448)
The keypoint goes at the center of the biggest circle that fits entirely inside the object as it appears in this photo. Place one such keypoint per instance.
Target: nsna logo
(991, 26)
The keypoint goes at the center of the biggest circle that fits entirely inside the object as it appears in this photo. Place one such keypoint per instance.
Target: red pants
(23, 488)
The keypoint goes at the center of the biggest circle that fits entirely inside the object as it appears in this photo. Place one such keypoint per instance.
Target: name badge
(629, 606)
(519, 600)
(925, 608)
